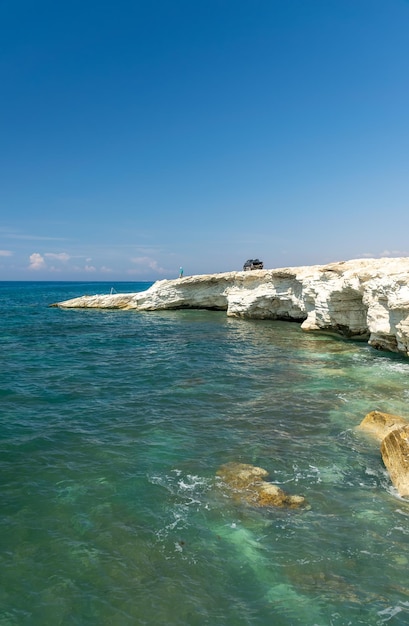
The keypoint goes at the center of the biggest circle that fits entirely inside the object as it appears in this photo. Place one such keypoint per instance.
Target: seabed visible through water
(113, 426)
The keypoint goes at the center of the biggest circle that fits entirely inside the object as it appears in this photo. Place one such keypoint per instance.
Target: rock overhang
(362, 298)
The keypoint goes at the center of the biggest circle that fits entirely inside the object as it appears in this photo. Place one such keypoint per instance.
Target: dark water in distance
(112, 427)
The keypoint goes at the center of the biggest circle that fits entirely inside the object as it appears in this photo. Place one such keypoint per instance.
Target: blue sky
(140, 135)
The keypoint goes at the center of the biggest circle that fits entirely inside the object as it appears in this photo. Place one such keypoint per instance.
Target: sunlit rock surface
(378, 424)
(246, 484)
(364, 299)
(393, 433)
(395, 455)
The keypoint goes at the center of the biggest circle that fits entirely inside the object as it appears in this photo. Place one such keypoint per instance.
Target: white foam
(389, 613)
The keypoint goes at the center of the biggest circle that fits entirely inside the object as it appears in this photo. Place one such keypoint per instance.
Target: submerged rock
(248, 485)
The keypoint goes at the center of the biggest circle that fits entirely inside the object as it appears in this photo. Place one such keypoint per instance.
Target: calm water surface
(113, 425)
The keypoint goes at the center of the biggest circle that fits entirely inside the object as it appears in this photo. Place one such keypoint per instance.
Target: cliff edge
(365, 299)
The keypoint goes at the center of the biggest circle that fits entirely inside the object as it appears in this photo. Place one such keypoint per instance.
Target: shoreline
(361, 299)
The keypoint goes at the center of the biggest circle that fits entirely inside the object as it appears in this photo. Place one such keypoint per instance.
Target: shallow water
(113, 425)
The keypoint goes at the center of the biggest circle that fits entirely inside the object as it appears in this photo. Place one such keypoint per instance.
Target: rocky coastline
(362, 299)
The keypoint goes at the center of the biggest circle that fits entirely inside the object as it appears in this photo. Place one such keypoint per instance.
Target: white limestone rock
(363, 298)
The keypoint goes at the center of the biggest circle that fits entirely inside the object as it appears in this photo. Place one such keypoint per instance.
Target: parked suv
(253, 264)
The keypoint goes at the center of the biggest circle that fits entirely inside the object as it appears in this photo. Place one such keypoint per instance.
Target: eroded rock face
(395, 455)
(365, 299)
(246, 483)
(379, 424)
(393, 433)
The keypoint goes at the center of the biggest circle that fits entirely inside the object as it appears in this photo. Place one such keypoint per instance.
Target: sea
(113, 425)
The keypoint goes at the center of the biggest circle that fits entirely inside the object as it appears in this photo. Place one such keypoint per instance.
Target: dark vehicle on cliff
(253, 264)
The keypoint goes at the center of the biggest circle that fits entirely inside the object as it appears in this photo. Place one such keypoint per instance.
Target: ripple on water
(113, 427)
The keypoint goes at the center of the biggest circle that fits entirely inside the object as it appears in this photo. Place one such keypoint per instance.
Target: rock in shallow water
(393, 432)
(380, 424)
(247, 484)
(395, 455)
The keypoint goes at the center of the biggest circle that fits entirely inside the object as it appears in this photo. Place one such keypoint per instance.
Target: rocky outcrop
(378, 424)
(247, 485)
(393, 433)
(364, 299)
(395, 455)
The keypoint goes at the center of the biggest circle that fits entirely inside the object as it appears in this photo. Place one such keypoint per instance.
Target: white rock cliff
(363, 299)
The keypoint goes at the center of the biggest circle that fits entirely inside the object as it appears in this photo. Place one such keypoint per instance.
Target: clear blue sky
(140, 135)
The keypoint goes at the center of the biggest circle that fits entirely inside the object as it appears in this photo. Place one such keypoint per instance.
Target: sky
(138, 136)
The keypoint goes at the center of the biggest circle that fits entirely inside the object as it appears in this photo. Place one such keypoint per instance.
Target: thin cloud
(385, 253)
(393, 253)
(61, 256)
(34, 237)
(6, 253)
(37, 262)
(147, 251)
(145, 262)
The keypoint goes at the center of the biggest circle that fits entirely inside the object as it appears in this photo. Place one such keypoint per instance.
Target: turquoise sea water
(113, 425)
